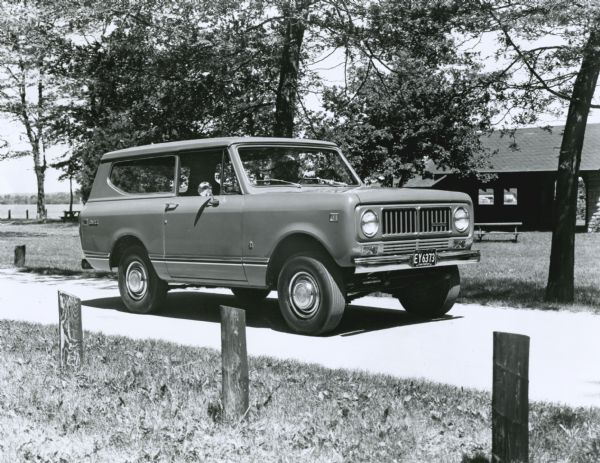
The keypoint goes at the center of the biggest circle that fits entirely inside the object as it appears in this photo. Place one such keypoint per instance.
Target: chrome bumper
(402, 262)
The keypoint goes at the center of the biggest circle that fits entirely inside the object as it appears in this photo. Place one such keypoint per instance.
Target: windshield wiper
(297, 185)
(327, 181)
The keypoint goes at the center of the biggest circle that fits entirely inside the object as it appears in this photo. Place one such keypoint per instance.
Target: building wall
(535, 194)
(592, 184)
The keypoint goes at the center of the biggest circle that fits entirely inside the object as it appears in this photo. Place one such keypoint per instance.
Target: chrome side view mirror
(205, 190)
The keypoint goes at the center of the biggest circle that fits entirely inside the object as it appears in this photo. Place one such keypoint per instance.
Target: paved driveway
(375, 334)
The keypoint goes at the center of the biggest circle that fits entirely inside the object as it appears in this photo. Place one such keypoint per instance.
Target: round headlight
(369, 223)
(461, 219)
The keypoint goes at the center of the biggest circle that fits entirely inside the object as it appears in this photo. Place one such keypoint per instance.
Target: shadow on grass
(517, 293)
(477, 458)
(56, 271)
(199, 306)
(19, 234)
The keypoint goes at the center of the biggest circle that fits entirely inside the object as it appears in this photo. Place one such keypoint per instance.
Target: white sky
(17, 175)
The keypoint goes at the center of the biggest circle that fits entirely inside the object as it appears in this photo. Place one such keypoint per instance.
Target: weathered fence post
(20, 256)
(27, 213)
(510, 399)
(9, 215)
(70, 332)
(235, 362)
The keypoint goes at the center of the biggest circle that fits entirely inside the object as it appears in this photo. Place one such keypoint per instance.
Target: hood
(370, 195)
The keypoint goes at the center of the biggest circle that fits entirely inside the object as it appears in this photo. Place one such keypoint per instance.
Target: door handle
(170, 206)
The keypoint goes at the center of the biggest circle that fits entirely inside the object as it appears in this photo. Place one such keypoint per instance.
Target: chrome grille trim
(414, 220)
(401, 247)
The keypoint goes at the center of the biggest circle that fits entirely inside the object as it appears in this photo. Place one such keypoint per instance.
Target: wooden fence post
(9, 215)
(20, 256)
(235, 363)
(27, 213)
(70, 332)
(510, 399)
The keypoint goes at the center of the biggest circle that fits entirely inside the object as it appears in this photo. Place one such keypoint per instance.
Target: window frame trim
(493, 196)
(504, 204)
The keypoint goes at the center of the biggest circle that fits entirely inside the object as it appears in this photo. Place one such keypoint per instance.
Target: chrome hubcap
(136, 280)
(304, 295)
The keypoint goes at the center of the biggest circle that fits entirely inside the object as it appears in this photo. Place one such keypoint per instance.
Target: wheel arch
(120, 246)
(295, 243)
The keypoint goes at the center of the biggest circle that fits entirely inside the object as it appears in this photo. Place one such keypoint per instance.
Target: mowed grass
(515, 274)
(509, 274)
(155, 401)
(50, 247)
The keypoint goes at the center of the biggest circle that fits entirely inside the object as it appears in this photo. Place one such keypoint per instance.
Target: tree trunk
(296, 14)
(560, 286)
(40, 174)
(71, 196)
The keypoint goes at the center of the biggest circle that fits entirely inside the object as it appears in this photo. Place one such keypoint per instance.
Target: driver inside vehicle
(199, 175)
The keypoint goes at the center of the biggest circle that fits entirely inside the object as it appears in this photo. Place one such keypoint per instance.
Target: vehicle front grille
(404, 221)
(402, 247)
(434, 220)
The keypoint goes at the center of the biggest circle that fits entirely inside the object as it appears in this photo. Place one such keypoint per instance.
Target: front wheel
(434, 296)
(141, 289)
(310, 298)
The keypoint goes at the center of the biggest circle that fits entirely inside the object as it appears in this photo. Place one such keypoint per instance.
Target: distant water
(55, 211)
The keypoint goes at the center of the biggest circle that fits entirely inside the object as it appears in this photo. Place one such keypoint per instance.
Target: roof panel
(203, 143)
(536, 149)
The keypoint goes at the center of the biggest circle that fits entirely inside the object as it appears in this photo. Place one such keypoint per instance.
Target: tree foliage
(412, 95)
(173, 70)
(147, 71)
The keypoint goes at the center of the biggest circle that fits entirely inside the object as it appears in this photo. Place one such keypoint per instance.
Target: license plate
(423, 259)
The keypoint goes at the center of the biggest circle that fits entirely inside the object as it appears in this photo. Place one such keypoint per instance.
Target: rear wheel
(141, 289)
(434, 296)
(310, 298)
(250, 295)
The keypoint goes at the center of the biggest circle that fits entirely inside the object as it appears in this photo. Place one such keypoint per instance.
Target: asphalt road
(375, 334)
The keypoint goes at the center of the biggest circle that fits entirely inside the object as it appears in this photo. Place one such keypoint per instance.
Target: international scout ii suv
(262, 214)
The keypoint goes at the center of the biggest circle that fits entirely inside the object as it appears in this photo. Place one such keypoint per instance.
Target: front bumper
(402, 262)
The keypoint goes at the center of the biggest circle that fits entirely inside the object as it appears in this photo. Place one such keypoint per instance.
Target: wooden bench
(492, 228)
(70, 216)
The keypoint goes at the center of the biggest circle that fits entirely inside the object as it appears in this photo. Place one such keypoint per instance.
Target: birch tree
(30, 32)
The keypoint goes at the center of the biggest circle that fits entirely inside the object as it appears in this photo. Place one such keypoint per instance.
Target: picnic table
(70, 216)
(498, 228)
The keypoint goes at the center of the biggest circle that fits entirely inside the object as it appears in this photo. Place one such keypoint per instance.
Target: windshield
(295, 166)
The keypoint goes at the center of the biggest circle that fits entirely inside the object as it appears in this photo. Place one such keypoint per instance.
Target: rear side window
(139, 176)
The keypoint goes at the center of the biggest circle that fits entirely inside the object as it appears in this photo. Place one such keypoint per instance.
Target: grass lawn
(512, 274)
(515, 274)
(53, 246)
(154, 401)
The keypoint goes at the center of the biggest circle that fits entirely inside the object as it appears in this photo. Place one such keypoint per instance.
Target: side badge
(334, 216)
(250, 244)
